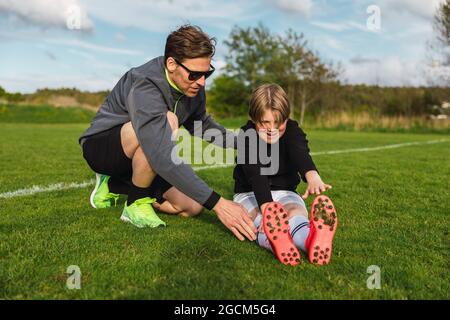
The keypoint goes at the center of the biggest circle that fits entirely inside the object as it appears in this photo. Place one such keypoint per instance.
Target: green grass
(392, 204)
(43, 114)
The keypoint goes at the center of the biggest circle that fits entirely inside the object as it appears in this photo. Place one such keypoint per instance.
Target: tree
(228, 97)
(439, 48)
(442, 24)
(257, 56)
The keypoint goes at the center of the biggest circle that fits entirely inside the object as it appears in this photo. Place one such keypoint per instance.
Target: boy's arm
(298, 150)
(315, 184)
(260, 183)
(301, 159)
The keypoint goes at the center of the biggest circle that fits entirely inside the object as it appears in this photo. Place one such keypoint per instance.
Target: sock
(118, 186)
(261, 238)
(136, 193)
(299, 231)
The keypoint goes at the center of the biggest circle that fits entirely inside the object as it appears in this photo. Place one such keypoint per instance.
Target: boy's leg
(299, 224)
(323, 225)
(248, 201)
(297, 215)
(261, 238)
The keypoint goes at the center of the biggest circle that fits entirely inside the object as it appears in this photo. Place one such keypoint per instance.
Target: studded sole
(276, 227)
(323, 225)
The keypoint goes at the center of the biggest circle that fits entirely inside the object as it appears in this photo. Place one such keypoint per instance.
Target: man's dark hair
(189, 42)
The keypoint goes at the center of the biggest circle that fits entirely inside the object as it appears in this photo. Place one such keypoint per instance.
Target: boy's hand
(315, 184)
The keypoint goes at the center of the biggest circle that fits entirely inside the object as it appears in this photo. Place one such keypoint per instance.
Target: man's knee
(129, 140)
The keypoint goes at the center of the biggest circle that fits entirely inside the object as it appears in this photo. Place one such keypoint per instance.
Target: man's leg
(178, 203)
(143, 174)
(104, 154)
(130, 146)
(138, 209)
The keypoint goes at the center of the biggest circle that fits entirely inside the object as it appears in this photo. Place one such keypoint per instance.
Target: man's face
(180, 76)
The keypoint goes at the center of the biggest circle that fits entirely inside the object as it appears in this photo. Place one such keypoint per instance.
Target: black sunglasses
(195, 75)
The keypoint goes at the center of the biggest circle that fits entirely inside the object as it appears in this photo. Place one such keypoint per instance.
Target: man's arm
(148, 113)
(148, 116)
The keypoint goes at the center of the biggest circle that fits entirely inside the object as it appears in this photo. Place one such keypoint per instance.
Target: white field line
(74, 185)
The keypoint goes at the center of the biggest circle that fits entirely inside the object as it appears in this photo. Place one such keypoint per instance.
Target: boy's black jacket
(294, 158)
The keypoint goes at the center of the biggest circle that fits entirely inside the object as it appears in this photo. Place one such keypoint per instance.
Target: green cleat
(141, 214)
(100, 196)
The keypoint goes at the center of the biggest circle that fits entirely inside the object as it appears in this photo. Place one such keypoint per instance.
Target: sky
(90, 44)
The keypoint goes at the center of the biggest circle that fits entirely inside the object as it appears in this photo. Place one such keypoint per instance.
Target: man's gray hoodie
(143, 96)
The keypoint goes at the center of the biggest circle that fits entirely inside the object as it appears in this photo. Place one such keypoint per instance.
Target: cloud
(99, 64)
(363, 60)
(330, 26)
(330, 42)
(339, 26)
(161, 16)
(94, 47)
(419, 8)
(120, 36)
(68, 14)
(388, 71)
(50, 55)
(303, 7)
(30, 82)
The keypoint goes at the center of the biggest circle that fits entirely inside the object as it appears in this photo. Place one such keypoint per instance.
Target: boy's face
(269, 129)
(180, 76)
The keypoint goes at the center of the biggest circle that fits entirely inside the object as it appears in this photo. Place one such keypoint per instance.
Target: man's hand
(235, 217)
(315, 184)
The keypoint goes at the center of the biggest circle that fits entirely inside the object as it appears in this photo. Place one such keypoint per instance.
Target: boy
(272, 202)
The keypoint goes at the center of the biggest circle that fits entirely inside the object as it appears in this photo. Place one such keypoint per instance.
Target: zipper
(176, 104)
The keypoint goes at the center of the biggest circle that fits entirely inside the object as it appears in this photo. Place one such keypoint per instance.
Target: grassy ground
(43, 114)
(392, 204)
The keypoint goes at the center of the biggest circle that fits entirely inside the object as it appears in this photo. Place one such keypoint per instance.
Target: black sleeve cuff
(261, 189)
(304, 171)
(212, 200)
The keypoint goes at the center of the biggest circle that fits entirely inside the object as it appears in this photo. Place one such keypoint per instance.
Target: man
(129, 142)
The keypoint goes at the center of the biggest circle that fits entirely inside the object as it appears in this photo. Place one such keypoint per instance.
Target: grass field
(393, 206)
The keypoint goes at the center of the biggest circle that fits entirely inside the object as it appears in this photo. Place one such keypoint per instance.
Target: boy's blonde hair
(269, 97)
